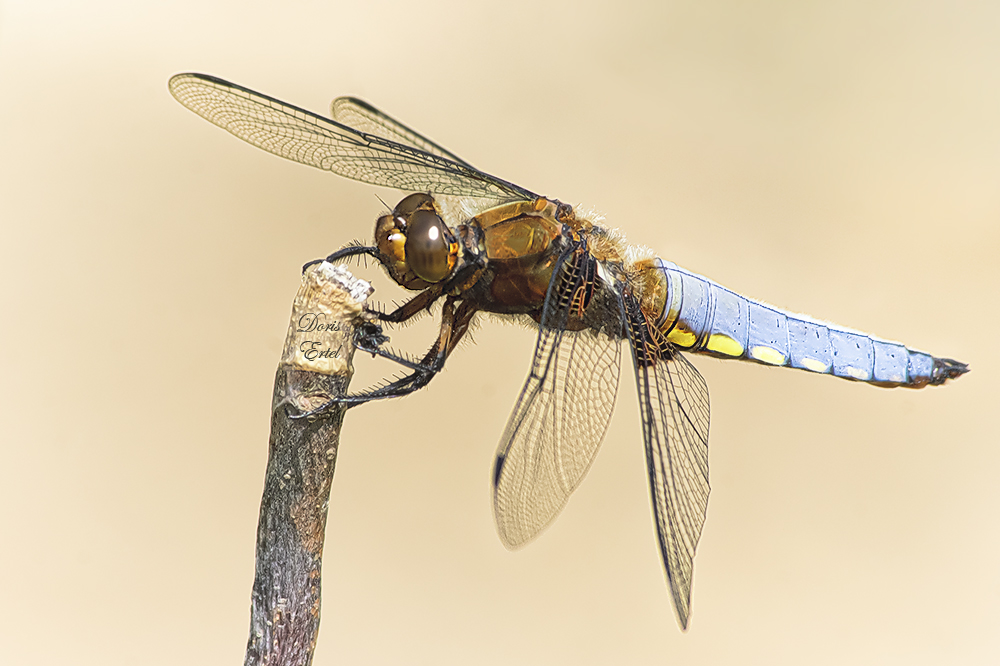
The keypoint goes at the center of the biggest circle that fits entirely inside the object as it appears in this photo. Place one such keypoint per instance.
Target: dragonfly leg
(425, 299)
(455, 322)
(349, 251)
(422, 301)
(369, 338)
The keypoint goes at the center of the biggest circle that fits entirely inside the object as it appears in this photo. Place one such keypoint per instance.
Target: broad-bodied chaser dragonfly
(505, 250)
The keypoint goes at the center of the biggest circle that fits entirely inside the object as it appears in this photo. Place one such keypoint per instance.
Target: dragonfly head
(418, 247)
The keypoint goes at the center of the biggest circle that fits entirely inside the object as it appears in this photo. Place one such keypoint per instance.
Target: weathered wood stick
(315, 367)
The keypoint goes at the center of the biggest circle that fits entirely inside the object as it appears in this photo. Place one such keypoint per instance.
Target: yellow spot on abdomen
(767, 355)
(723, 344)
(856, 373)
(681, 336)
(814, 365)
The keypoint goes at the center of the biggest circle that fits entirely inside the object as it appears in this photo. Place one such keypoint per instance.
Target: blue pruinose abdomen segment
(703, 316)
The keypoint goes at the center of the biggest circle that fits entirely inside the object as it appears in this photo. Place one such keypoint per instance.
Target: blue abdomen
(703, 316)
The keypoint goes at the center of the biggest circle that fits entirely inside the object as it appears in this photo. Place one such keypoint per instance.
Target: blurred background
(840, 159)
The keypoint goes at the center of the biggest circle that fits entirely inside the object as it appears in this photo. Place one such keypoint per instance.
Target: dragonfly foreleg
(351, 250)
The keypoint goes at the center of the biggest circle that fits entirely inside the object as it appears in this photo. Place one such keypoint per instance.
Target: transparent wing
(554, 432)
(305, 137)
(674, 404)
(364, 117)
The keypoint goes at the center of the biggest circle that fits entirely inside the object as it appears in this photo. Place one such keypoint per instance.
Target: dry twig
(315, 367)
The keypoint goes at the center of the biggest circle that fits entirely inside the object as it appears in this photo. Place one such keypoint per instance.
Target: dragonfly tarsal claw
(368, 337)
(308, 264)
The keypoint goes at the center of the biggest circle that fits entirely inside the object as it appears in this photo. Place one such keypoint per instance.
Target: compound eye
(428, 246)
(411, 203)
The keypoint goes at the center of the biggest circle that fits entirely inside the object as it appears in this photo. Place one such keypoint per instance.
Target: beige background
(841, 159)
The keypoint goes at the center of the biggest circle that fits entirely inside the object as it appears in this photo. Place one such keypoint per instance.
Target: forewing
(674, 404)
(305, 137)
(364, 117)
(555, 429)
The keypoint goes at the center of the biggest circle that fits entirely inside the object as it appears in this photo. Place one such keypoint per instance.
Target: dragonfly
(476, 243)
